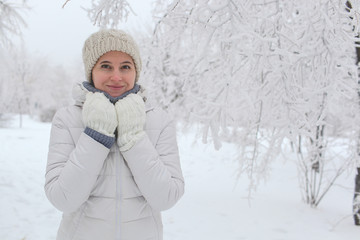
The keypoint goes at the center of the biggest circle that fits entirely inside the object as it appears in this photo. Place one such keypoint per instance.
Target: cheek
(94, 80)
(132, 81)
(97, 78)
(134, 78)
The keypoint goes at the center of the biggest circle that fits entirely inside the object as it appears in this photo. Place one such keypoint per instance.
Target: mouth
(115, 90)
(115, 87)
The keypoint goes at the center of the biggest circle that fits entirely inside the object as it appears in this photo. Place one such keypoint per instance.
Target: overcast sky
(59, 33)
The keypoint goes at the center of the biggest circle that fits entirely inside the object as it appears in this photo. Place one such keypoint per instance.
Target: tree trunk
(356, 200)
(356, 203)
(20, 116)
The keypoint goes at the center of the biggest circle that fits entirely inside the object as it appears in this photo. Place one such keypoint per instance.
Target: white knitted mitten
(99, 114)
(131, 120)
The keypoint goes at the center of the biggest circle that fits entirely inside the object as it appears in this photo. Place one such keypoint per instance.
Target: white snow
(215, 205)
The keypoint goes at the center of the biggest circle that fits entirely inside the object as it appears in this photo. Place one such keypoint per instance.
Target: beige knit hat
(107, 40)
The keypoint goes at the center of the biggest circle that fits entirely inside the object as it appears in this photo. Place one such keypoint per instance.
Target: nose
(116, 75)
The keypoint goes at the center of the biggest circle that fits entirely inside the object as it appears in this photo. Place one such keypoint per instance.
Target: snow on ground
(214, 207)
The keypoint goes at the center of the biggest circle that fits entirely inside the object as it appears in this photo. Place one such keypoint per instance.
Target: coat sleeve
(156, 169)
(72, 168)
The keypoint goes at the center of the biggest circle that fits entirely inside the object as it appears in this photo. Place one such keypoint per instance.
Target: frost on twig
(109, 13)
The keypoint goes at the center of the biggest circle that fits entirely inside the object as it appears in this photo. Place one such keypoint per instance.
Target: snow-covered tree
(108, 13)
(264, 73)
(11, 20)
(17, 78)
(30, 85)
(356, 199)
(11, 24)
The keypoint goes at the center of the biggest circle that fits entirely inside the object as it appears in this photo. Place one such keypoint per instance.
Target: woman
(113, 162)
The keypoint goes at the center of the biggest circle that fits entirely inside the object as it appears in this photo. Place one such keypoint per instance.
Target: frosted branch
(109, 13)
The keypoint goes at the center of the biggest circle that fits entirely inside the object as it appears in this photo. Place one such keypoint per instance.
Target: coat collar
(79, 95)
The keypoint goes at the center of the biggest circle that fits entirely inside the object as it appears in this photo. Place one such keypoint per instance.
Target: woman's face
(114, 73)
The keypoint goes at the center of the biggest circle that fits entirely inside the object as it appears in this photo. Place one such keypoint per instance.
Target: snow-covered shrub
(46, 115)
(4, 120)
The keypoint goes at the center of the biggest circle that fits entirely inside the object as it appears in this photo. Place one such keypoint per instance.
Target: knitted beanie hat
(107, 40)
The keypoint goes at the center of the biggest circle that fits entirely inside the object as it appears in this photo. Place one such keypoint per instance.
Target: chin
(115, 95)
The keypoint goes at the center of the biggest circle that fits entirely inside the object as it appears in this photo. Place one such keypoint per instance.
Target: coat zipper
(118, 195)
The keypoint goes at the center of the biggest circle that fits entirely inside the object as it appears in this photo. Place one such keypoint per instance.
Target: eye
(126, 67)
(105, 66)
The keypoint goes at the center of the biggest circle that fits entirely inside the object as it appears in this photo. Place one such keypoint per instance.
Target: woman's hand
(99, 114)
(131, 120)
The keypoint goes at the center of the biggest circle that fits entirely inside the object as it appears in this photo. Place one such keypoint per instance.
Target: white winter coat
(106, 194)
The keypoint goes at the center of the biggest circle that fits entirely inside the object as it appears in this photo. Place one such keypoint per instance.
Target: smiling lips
(115, 87)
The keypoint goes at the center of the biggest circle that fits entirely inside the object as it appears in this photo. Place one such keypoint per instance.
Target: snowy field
(214, 207)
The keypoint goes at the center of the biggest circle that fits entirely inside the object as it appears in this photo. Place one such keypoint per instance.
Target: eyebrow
(105, 61)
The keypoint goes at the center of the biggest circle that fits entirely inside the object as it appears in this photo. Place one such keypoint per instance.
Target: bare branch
(63, 6)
